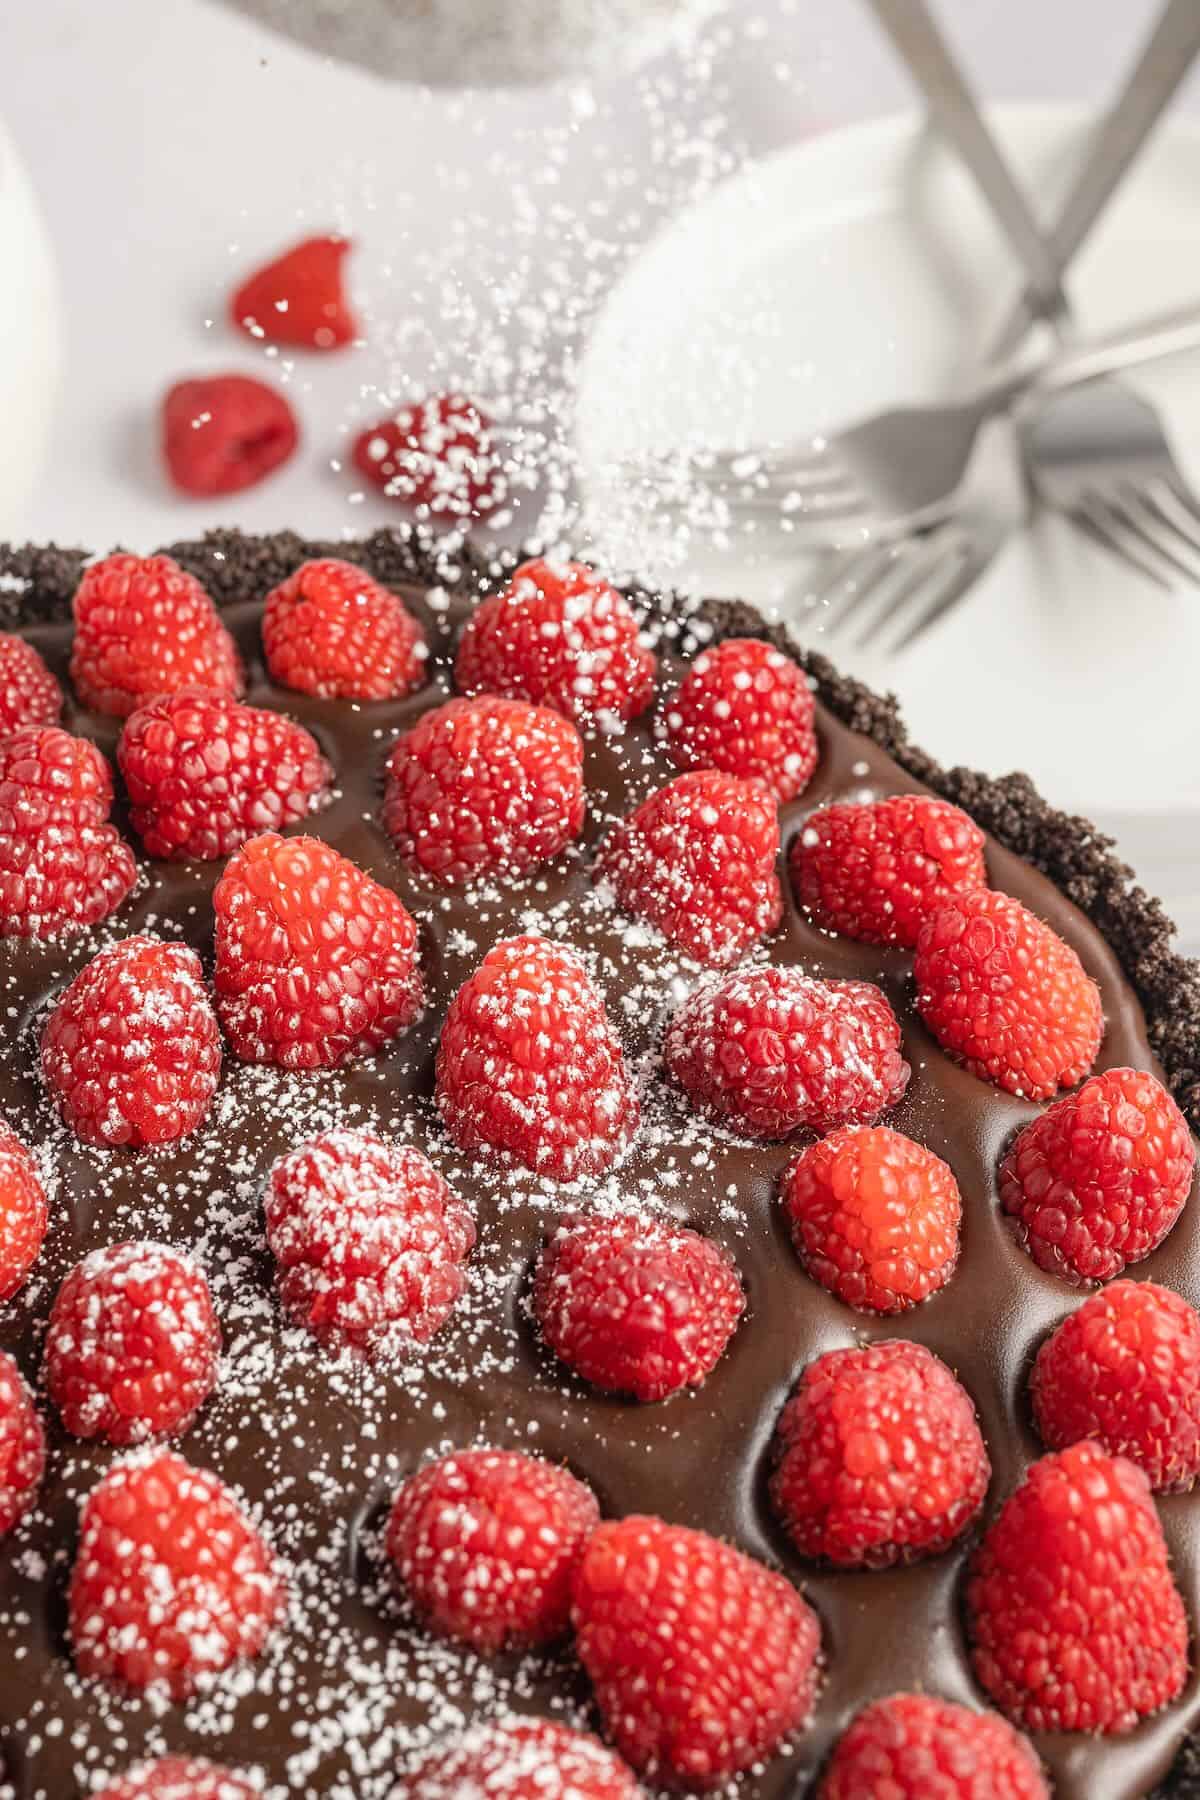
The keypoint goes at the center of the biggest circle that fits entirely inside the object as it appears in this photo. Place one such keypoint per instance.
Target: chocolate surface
(349, 1685)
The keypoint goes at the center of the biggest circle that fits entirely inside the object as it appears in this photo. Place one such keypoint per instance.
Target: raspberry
(876, 872)
(178, 1778)
(132, 1344)
(1074, 1620)
(878, 1457)
(1100, 1178)
(745, 708)
(368, 1239)
(436, 454)
(224, 433)
(142, 628)
(48, 777)
(562, 637)
(486, 1543)
(1005, 996)
(330, 630)
(131, 1053)
(874, 1218)
(1125, 1370)
(22, 1446)
(204, 773)
(24, 1213)
(915, 1747)
(62, 867)
(635, 1306)
(63, 879)
(769, 1050)
(697, 861)
(315, 962)
(172, 1582)
(298, 298)
(529, 1064)
(529, 1759)
(484, 787)
(703, 1661)
(29, 693)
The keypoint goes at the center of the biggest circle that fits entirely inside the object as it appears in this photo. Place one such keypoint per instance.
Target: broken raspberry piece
(299, 298)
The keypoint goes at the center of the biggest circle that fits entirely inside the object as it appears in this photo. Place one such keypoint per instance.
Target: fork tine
(940, 554)
(851, 576)
(1177, 506)
(960, 573)
(878, 569)
(1091, 514)
(1129, 505)
(845, 499)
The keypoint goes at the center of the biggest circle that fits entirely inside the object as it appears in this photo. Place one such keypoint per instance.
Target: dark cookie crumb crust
(37, 584)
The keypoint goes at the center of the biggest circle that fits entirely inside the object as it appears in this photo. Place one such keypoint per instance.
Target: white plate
(859, 269)
(29, 343)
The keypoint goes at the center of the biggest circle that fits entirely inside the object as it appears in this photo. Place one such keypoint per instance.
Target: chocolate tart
(350, 1686)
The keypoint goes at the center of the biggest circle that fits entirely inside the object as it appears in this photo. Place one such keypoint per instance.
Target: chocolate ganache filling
(349, 1685)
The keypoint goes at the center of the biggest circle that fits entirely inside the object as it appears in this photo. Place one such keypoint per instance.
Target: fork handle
(1162, 334)
(955, 110)
(1166, 57)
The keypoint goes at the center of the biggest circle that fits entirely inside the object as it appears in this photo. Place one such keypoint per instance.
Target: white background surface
(173, 144)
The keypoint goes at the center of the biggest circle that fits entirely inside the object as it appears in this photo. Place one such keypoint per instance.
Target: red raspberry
(62, 867)
(874, 1218)
(132, 1344)
(172, 1581)
(22, 1446)
(298, 298)
(769, 1050)
(204, 773)
(48, 777)
(486, 1543)
(368, 1239)
(529, 1759)
(178, 1778)
(1074, 1620)
(1005, 996)
(635, 1306)
(1125, 1370)
(915, 1747)
(143, 627)
(697, 861)
(876, 872)
(24, 1212)
(746, 708)
(224, 433)
(484, 787)
(703, 1661)
(330, 630)
(436, 454)
(131, 1053)
(562, 637)
(530, 1065)
(62, 879)
(315, 962)
(878, 1457)
(29, 693)
(1100, 1178)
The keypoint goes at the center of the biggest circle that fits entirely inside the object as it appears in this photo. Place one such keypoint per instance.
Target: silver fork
(888, 593)
(914, 583)
(903, 469)
(1102, 457)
